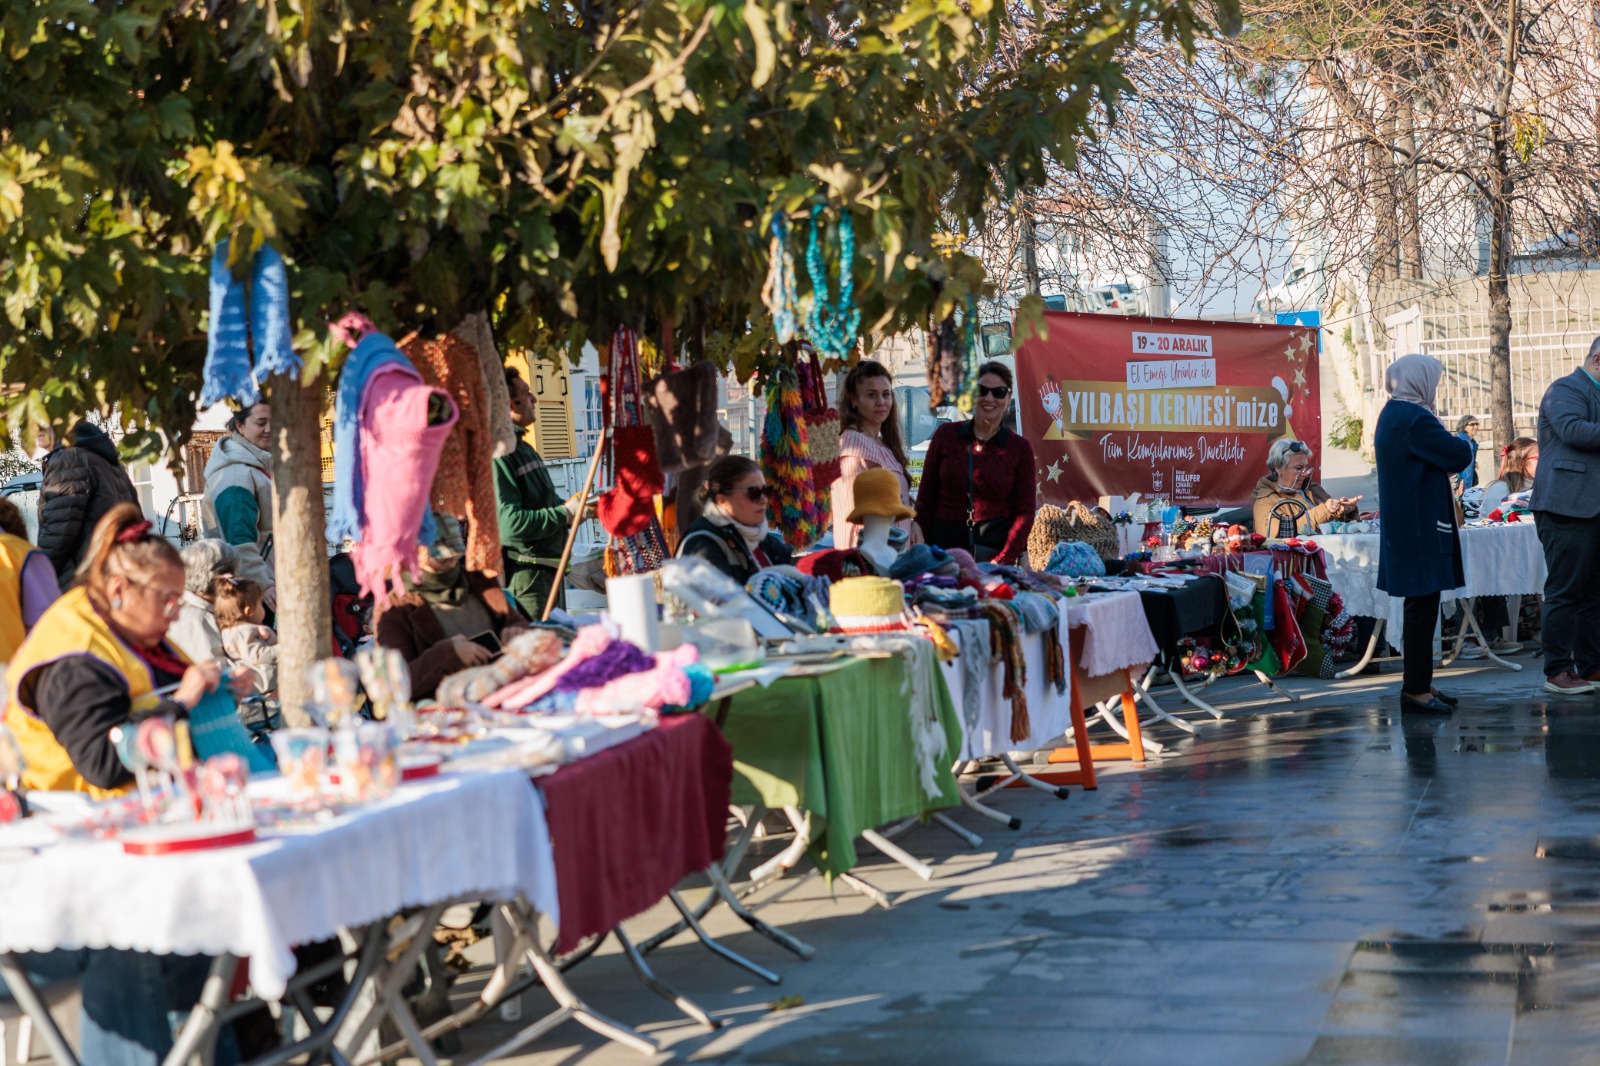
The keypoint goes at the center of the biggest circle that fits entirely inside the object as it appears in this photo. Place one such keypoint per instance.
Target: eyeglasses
(757, 493)
(999, 392)
(171, 602)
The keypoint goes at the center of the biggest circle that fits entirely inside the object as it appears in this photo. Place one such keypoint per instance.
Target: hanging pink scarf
(399, 456)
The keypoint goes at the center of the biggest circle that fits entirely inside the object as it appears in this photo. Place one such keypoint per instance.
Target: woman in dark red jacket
(977, 489)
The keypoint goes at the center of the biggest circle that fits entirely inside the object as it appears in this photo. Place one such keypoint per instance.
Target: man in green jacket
(533, 518)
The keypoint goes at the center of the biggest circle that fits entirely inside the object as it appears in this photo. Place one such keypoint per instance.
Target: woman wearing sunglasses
(978, 480)
(1289, 481)
(732, 534)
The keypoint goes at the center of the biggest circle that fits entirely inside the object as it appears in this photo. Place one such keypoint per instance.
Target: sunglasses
(999, 392)
(757, 493)
(1297, 447)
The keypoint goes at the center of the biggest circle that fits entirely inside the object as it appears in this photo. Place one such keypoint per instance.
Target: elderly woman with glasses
(732, 533)
(1287, 502)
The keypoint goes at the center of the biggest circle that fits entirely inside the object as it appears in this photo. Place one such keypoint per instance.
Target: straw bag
(1094, 529)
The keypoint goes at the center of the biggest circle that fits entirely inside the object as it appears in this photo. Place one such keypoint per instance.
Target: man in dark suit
(1566, 509)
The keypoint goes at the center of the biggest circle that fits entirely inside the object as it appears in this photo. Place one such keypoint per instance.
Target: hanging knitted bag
(786, 461)
(681, 407)
(629, 506)
(822, 422)
(780, 291)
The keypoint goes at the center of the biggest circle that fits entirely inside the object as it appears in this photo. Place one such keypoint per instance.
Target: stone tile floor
(1323, 882)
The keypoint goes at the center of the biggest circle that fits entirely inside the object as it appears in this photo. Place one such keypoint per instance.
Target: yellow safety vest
(71, 626)
(14, 552)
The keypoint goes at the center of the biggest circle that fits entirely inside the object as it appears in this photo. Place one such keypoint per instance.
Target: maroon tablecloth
(628, 824)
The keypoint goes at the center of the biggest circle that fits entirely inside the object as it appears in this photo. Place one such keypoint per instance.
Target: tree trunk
(1385, 223)
(1501, 415)
(1030, 254)
(300, 544)
(1410, 213)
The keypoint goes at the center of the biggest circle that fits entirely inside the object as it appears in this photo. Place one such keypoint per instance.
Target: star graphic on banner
(1299, 377)
(1288, 353)
(1053, 471)
(1305, 343)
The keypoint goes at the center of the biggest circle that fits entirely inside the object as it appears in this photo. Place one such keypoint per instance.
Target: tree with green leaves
(566, 167)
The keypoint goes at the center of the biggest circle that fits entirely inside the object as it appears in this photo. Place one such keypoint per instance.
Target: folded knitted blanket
(527, 653)
(590, 639)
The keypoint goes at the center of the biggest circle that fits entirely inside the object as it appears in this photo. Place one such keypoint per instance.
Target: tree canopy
(569, 167)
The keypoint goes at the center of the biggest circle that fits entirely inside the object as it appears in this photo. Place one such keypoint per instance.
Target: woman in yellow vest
(27, 581)
(98, 657)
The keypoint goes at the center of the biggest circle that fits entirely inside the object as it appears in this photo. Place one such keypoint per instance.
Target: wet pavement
(1324, 882)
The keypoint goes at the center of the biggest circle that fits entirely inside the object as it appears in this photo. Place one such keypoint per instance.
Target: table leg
(724, 891)
(28, 998)
(198, 1038)
(971, 802)
(689, 1007)
(1366, 657)
(1471, 620)
(1190, 696)
(415, 933)
(868, 889)
(785, 860)
(519, 914)
(895, 852)
(1142, 688)
(1261, 675)
(717, 948)
(1103, 713)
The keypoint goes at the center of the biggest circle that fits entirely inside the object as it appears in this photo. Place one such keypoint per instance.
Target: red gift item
(1309, 545)
(626, 510)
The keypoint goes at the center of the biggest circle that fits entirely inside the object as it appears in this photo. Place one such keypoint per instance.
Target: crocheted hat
(877, 492)
(1051, 526)
(864, 604)
(919, 559)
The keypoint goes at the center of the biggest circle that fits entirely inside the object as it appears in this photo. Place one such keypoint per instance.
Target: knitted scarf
(401, 450)
(1005, 635)
(228, 372)
(374, 353)
(751, 535)
(465, 485)
(476, 331)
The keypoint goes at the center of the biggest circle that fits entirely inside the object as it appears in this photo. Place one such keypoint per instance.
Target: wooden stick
(577, 520)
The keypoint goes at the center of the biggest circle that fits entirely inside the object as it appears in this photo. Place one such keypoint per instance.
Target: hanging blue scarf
(375, 352)
(228, 370)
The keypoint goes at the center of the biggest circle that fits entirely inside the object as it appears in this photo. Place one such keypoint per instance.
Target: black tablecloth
(1195, 609)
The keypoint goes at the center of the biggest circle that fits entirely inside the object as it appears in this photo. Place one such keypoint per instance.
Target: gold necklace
(981, 441)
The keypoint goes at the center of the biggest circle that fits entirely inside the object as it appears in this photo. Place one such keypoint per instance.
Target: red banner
(1178, 408)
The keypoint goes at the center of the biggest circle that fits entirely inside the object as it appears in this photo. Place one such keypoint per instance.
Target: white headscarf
(1414, 378)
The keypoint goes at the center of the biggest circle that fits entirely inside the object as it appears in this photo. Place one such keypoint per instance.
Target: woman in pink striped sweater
(870, 437)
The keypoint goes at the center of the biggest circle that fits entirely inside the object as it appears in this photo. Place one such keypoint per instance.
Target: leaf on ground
(789, 1002)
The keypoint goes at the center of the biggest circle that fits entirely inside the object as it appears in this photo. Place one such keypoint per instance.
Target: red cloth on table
(629, 823)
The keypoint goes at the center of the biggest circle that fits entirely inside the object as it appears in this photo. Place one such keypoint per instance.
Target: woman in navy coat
(1419, 546)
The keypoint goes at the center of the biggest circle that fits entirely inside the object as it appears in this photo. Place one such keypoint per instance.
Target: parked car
(23, 490)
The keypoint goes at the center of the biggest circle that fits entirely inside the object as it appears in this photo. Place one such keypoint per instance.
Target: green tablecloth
(838, 745)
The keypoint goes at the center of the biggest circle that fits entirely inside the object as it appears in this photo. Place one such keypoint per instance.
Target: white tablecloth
(987, 727)
(480, 835)
(1497, 560)
(1119, 635)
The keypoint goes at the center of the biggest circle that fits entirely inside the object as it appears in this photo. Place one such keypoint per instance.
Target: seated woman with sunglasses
(1289, 480)
(977, 489)
(732, 534)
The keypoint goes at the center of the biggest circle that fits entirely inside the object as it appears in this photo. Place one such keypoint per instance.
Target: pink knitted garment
(664, 686)
(399, 456)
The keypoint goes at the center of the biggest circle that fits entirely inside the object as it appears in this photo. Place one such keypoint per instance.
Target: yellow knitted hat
(867, 597)
(877, 492)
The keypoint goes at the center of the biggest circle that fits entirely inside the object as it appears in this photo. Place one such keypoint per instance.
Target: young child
(247, 642)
